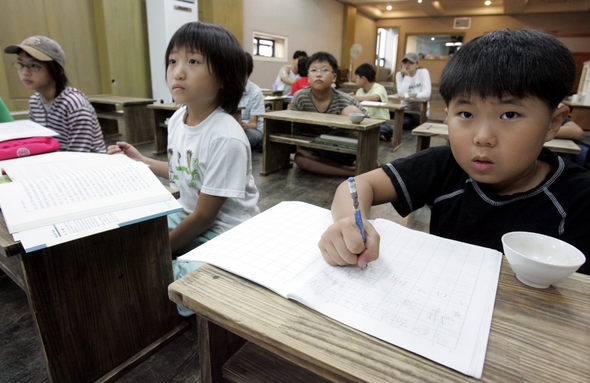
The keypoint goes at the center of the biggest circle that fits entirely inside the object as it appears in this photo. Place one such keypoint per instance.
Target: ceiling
(376, 9)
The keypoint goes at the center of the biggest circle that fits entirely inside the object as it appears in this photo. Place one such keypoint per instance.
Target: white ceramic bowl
(539, 260)
(356, 117)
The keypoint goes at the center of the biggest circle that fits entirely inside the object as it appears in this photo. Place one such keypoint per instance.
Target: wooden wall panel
(227, 13)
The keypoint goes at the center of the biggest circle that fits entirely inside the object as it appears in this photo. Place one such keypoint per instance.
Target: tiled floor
(21, 356)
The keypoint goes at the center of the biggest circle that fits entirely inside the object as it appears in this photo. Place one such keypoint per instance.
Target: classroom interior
(108, 52)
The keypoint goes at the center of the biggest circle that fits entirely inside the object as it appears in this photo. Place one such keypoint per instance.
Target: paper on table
(24, 129)
(62, 232)
(427, 294)
(373, 103)
(58, 191)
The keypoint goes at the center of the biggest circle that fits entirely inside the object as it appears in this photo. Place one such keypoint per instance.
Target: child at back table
(502, 92)
(209, 157)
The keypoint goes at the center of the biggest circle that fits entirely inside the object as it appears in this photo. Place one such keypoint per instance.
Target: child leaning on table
(502, 91)
(209, 157)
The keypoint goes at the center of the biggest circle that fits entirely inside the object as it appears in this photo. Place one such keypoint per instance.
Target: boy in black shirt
(502, 92)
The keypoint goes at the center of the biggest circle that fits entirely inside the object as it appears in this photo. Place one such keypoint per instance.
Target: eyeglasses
(34, 67)
(318, 71)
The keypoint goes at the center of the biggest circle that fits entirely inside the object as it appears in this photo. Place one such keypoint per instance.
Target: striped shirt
(73, 117)
(302, 101)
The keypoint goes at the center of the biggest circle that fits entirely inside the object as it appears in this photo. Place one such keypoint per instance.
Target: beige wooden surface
(537, 335)
(118, 100)
(323, 119)
(559, 145)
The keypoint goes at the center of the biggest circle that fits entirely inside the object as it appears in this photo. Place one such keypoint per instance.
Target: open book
(24, 129)
(426, 294)
(61, 196)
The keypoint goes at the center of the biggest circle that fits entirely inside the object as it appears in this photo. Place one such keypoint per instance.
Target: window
(432, 47)
(264, 47)
(268, 47)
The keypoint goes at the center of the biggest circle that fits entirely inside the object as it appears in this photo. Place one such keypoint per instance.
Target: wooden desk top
(167, 106)
(386, 105)
(537, 335)
(276, 98)
(118, 100)
(560, 145)
(577, 104)
(413, 99)
(323, 119)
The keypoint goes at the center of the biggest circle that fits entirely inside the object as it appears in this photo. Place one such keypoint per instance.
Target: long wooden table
(288, 127)
(423, 102)
(99, 303)
(427, 130)
(537, 335)
(398, 122)
(137, 121)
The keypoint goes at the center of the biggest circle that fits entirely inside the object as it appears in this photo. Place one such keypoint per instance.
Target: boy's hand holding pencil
(342, 243)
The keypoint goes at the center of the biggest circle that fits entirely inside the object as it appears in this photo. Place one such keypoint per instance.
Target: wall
(309, 25)
(59, 20)
(561, 23)
(365, 34)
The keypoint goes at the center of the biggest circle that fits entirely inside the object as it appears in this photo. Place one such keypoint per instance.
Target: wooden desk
(423, 105)
(427, 130)
(536, 335)
(99, 303)
(276, 102)
(398, 122)
(137, 127)
(162, 112)
(580, 112)
(289, 127)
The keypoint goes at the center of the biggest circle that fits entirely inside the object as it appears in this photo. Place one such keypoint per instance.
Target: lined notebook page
(426, 294)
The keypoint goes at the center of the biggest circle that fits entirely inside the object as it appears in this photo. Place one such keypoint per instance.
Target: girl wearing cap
(40, 65)
(412, 82)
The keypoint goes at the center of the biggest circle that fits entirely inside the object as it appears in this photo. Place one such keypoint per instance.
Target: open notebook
(426, 294)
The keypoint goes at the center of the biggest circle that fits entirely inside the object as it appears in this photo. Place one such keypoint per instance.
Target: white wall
(309, 25)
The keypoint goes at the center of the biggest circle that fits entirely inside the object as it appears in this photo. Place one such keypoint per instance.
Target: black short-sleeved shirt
(466, 210)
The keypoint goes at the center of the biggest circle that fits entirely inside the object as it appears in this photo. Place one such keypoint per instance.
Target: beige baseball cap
(40, 47)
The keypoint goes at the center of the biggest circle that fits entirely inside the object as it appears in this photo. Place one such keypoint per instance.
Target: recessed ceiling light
(389, 7)
(487, 2)
(419, 1)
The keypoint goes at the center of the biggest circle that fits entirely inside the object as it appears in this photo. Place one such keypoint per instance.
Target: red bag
(23, 147)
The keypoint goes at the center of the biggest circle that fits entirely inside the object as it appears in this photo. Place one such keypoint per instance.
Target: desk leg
(275, 155)
(398, 126)
(422, 142)
(216, 346)
(367, 150)
(109, 126)
(100, 300)
(139, 124)
(423, 109)
(160, 131)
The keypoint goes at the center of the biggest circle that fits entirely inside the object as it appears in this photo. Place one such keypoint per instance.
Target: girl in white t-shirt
(209, 157)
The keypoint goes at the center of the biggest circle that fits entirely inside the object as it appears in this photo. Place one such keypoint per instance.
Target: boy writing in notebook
(502, 92)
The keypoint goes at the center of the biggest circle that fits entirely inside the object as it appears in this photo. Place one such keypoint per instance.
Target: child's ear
(559, 114)
(446, 114)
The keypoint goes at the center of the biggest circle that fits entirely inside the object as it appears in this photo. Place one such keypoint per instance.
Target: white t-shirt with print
(214, 158)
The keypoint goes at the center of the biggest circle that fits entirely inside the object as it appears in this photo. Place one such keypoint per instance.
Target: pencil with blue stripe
(355, 205)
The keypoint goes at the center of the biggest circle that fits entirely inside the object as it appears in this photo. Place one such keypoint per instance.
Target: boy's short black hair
(302, 67)
(249, 63)
(298, 54)
(323, 57)
(367, 71)
(224, 54)
(520, 63)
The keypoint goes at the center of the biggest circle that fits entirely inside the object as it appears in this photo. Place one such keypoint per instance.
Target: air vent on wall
(462, 23)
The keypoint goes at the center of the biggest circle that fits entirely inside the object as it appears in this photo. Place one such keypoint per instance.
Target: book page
(427, 294)
(272, 249)
(57, 191)
(24, 129)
